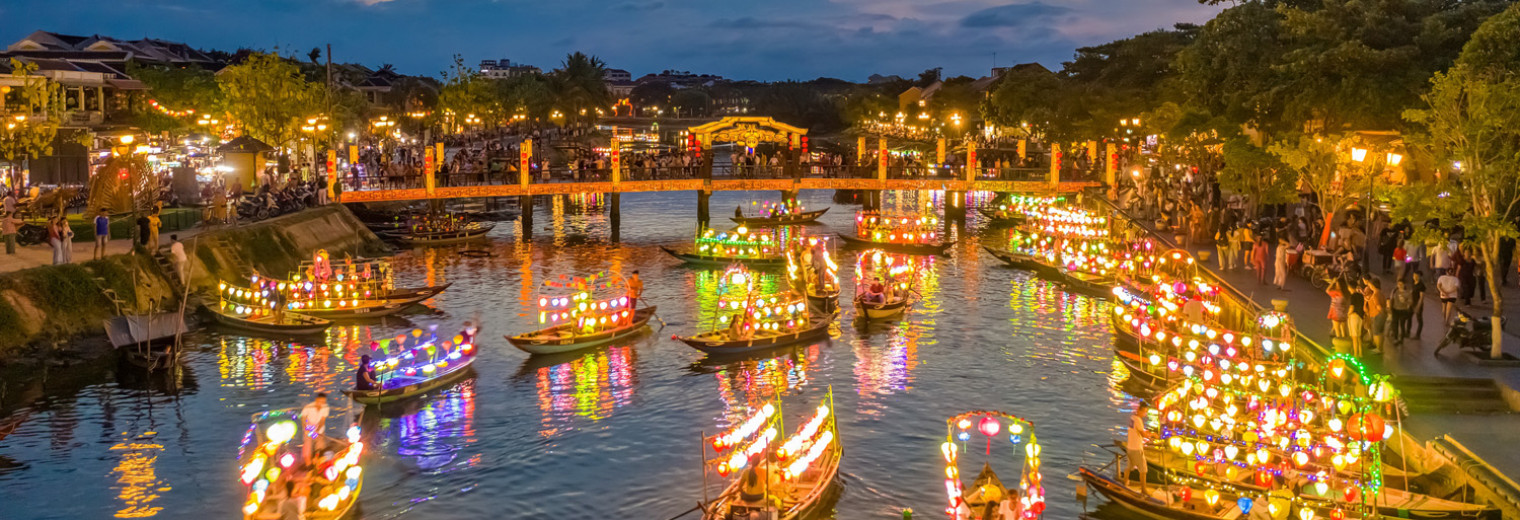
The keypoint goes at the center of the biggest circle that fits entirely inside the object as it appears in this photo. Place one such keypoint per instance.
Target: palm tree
(581, 86)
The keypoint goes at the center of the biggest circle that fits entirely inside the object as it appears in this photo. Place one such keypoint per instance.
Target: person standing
(1356, 316)
(154, 222)
(1243, 243)
(8, 225)
(1134, 446)
(10, 202)
(635, 290)
(1417, 286)
(181, 262)
(314, 424)
(1401, 304)
(1259, 260)
(102, 233)
(1376, 307)
(55, 239)
(1448, 287)
(1400, 255)
(1280, 265)
(1337, 315)
(66, 240)
(1222, 245)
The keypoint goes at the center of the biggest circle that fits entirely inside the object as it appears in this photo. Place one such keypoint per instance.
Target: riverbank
(57, 310)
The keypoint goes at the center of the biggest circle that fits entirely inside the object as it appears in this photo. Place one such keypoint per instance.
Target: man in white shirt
(1448, 286)
(313, 424)
(181, 262)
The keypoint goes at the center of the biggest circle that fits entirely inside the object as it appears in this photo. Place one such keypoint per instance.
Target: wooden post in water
(955, 208)
(616, 215)
(525, 204)
(702, 214)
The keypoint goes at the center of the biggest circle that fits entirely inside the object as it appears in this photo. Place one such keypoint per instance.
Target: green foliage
(690, 102)
(798, 104)
(1229, 72)
(1323, 167)
(1252, 170)
(40, 108)
(465, 92)
(1024, 96)
(176, 88)
(269, 97)
(528, 94)
(580, 86)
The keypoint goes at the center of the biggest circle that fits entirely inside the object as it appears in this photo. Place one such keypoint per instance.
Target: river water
(608, 433)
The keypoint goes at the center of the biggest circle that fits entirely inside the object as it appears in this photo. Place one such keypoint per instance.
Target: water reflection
(137, 484)
(432, 432)
(746, 381)
(881, 371)
(591, 385)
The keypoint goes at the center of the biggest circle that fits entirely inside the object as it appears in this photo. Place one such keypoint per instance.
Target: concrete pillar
(788, 196)
(702, 207)
(525, 204)
(615, 214)
(525, 163)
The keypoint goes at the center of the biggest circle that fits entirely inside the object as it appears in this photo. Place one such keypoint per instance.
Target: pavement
(38, 255)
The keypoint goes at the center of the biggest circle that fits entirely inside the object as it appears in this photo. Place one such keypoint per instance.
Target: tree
(929, 76)
(1253, 171)
(1228, 71)
(31, 123)
(690, 102)
(465, 92)
(651, 93)
(1472, 115)
(179, 89)
(581, 85)
(1325, 167)
(1024, 96)
(315, 55)
(268, 97)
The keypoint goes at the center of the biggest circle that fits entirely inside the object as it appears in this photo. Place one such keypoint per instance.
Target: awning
(127, 84)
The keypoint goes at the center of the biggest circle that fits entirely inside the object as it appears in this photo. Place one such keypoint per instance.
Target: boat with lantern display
(1013, 210)
(263, 320)
(988, 498)
(898, 277)
(371, 276)
(810, 269)
(754, 248)
(585, 312)
(338, 299)
(439, 229)
(747, 319)
(271, 455)
(906, 234)
(1020, 261)
(418, 365)
(781, 214)
(789, 482)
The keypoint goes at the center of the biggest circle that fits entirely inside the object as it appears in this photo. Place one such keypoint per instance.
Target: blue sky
(771, 40)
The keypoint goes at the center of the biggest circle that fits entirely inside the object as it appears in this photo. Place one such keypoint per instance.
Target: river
(608, 433)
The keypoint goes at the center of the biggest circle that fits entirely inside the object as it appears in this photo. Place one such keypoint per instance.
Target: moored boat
(586, 312)
(907, 249)
(988, 498)
(1002, 216)
(465, 233)
(1020, 261)
(759, 248)
(719, 261)
(148, 329)
(810, 269)
(270, 457)
(906, 234)
(786, 219)
(255, 320)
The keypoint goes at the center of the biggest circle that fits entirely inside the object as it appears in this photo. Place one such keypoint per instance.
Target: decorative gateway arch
(749, 131)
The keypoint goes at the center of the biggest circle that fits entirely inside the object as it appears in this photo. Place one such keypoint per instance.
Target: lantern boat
(1003, 217)
(749, 321)
(789, 482)
(782, 219)
(811, 271)
(899, 277)
(586, 312)
(251, 319)
(1132, 499)
(753, 248)
(906, 234)
(1095, 285)
(338, 299)
(989, 498)
(418, 366)
(465, 233)
(373, 276)
(270, 455)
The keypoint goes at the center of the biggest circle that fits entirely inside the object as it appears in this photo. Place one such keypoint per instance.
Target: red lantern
(1187, 494)
(1351, 493)
(1263, 478)
(1366, 426)
(1337, 515)
(989, 426)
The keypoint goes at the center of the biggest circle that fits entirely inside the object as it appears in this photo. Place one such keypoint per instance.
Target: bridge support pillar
(702, 214)
(525, 204)
(788, 197)
(955, 208)
(870, 200)
(615, 214)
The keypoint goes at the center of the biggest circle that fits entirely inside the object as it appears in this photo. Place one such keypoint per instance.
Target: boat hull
(295, 325)
(907, 249)
(820, 329)
(537, 344)
(124, 331)
(447, 238)
(716, 261)
(1001, 220)
(417, 294)
(351, 313)
(406, 392)
(805, 217)
(880, 311)
(1134, 501)
(1021, 262)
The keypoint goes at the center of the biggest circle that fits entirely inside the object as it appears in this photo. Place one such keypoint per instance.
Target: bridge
(695, 170)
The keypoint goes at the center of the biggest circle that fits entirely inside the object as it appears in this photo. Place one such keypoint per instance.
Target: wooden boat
(907, 249)
(561, 338)
(402, 387)
(468, 233)
(759, 490)
(287, 324)
(879, 311)
(824, 303)
(784, 220)
(717, 342)
(124, 331)
(723, 261)
(365, 309)
(1131, 499)
(999, 218)
(416, 294)
(1097, 286)
(273, 439)
(1020, 261)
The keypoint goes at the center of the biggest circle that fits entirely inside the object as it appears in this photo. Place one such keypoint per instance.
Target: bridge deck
(807, 183)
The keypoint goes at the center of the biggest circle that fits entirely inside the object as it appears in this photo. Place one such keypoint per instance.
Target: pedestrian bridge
(482, 189)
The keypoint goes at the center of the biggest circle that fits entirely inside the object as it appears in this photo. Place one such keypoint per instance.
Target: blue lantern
(1245, 505)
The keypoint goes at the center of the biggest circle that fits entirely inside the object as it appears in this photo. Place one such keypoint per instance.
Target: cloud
(368, 3)
(750, 22)
(1013, 15)
(637, 7)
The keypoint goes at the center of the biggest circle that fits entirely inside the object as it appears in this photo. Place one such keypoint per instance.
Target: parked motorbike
(1470, 332)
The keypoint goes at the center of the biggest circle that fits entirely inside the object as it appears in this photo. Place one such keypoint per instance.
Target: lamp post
(1359, 155)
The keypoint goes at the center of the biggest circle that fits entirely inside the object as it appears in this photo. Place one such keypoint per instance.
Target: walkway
(38, 255)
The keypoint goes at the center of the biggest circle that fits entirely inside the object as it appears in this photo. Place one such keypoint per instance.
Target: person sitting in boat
(468, 333)
(876, 292)
(364, 375)
(739, 211)
(278, 303)
(751, 487)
